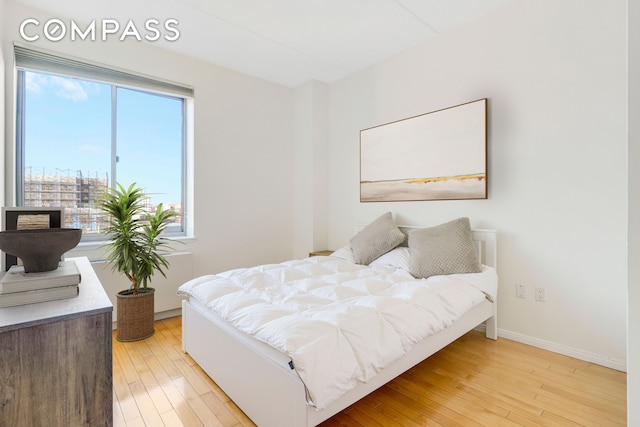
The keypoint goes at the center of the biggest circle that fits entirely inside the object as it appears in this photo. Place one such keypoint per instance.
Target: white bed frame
(259, 380)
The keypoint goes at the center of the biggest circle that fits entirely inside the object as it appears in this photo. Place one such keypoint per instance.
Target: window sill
(95, 250)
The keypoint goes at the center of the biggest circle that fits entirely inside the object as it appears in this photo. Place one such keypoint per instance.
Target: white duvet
(340, 322)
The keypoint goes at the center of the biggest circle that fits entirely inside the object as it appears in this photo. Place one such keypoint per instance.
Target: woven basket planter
(135, 315)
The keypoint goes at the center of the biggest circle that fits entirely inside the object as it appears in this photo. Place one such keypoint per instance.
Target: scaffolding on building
(75, 191)
(79, 194)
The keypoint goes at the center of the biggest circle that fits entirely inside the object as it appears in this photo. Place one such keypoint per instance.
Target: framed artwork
(23, 218)
(441, 155)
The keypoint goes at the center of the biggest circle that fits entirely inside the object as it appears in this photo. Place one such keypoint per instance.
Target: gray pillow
(376, 239)
(444, 249)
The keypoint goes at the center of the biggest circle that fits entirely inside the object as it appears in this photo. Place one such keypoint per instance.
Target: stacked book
(19, 288)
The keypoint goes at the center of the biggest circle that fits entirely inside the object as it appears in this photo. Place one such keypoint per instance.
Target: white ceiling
(285, 41)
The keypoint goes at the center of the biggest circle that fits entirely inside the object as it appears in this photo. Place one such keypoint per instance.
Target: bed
(278, 384)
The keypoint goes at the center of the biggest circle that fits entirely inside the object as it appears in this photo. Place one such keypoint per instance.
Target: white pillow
(344, 253)
(397, 258)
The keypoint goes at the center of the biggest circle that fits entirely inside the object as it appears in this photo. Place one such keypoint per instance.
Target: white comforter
(340, 323)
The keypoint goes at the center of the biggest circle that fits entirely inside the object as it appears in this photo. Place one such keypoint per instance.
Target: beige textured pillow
(444, 249)
(376, 239)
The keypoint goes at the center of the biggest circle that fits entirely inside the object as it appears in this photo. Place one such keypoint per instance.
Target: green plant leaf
(135, 244)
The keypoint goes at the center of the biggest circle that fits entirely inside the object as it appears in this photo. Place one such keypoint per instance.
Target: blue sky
(68, 127)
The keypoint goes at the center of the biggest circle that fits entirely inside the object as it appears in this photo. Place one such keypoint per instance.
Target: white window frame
(40, 61)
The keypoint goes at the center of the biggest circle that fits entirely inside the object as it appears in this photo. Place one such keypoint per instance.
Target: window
(81, 128)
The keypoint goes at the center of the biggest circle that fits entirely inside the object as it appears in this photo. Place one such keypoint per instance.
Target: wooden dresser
(56, 359)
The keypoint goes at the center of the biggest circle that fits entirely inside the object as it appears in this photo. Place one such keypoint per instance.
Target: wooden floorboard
(472, 382)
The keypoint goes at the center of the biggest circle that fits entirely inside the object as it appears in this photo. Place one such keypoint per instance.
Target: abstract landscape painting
(440, 155)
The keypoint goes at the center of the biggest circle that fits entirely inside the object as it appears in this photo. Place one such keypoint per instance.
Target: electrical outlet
(540, 295)
(521, 291)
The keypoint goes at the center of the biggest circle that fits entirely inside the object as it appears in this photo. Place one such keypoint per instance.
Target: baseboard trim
(618, 365)
(157, 316)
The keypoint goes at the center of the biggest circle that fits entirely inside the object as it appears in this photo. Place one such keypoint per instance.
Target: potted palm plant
(135, 248)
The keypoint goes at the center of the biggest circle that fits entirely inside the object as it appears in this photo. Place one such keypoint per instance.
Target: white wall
(243, 138)
(310, 173)
(555, 76)
(633, 333)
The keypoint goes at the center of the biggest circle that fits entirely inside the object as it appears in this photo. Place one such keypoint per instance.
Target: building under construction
(75, 191)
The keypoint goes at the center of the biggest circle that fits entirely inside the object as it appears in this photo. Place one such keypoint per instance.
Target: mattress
(337, 322)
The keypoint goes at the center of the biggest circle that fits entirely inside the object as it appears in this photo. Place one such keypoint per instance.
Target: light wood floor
(472, 382)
